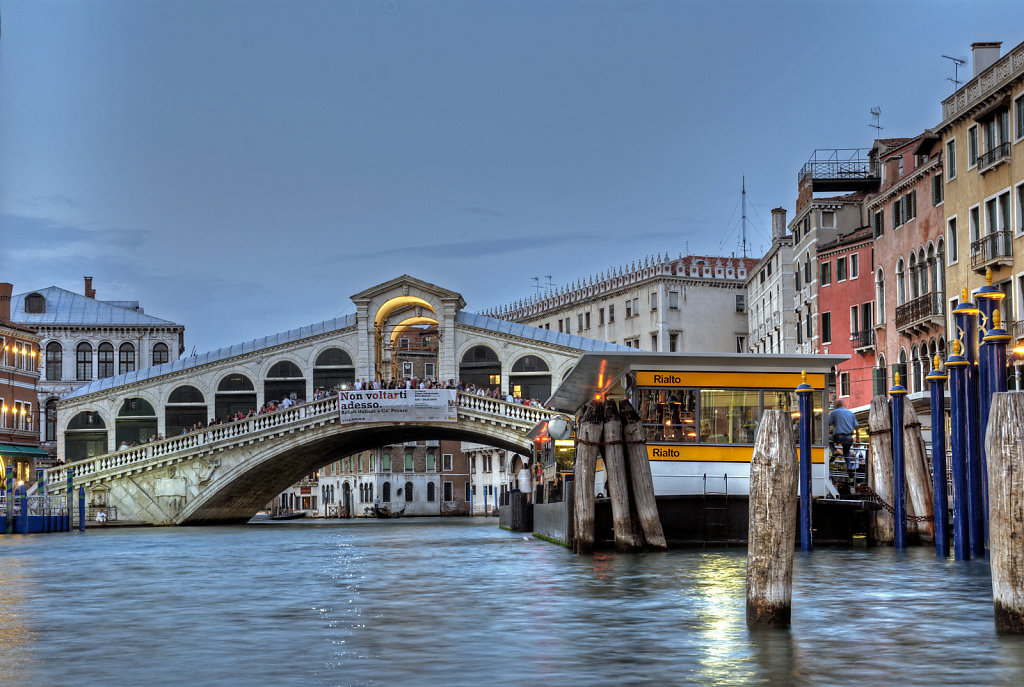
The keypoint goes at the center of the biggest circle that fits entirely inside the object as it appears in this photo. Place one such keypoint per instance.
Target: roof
(337, 324)
(334, 324)
(535, 333)
(596, 373)
(67, 307)
(15, 327)
(891, 143)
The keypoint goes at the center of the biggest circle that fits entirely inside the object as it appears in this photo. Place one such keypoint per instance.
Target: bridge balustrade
(323, 408)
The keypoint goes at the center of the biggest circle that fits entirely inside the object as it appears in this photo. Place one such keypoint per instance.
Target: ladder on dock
(716, 512)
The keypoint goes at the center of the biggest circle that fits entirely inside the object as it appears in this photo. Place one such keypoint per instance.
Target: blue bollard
(899, 480)
(938, 400)
(69, 494)
(9, 526)
(997, 341)
(24, 509)
(988, 298)
(805, 394)
(966, 316)
(81, 509)
(957, 366)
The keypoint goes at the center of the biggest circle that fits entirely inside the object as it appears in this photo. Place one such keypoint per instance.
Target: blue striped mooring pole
(899, 488)
(988, 298)
(81, 509)
(937, 379)
(805, 394)
(956, 366)
(966, 316)
(9, 501)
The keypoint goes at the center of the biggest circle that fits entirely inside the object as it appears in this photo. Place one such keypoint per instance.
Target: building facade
(85, 339)
(981, 133)
(693, 303)
(19, 416)
(772, 320)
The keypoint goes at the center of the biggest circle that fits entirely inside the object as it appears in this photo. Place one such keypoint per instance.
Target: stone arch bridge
(402, 328)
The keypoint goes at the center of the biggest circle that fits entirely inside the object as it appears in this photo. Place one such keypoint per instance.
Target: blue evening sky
(243, 167)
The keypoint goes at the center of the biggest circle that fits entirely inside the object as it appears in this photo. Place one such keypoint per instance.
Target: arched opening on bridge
(333, 368)
(481, 366)
(380, 319)
(135, 423)
(413, 348)
(185, 407)
(284, 380)
(85, 437)
(530, 378)
(235, 394)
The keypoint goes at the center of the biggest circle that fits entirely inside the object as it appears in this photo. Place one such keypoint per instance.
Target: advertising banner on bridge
(398, 405)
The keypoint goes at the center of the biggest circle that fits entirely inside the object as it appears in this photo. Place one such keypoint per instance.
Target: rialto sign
(398, 405)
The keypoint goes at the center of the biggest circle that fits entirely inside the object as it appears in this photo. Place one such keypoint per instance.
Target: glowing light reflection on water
(459, 602)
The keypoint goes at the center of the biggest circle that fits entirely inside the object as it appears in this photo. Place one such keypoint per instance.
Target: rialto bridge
(228, 471)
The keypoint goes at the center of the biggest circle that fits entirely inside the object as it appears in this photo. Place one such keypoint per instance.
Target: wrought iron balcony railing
(991, 247)
(921, 308)
(998, 154)
(863, 339)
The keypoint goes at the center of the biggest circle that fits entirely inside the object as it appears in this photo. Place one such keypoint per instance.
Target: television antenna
(540, 287)
(956, 67)
(876, 115)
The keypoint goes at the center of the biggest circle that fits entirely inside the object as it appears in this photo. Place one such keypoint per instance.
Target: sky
(244, 167)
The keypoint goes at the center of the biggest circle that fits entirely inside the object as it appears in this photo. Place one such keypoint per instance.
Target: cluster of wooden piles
(614, 432)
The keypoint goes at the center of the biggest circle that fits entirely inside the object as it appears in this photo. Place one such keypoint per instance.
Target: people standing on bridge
(844, 425)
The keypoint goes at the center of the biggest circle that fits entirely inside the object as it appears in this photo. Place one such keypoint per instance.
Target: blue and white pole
(937, 379)
(805, 394)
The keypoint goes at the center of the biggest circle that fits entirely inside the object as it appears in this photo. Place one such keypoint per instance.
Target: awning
(22, 451)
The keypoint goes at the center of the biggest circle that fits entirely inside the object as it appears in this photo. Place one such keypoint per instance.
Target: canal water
(460, 602)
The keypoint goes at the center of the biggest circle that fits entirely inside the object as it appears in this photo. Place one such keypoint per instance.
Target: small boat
(383, 512)
(294, 515)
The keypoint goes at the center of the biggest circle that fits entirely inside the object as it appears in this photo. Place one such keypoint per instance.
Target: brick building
(19, 403)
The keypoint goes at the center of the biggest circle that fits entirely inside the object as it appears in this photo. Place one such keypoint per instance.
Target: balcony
(992, 250)
(920, 315)
(1018, 331)
(840, 169)
(999, 154)
(863, 341)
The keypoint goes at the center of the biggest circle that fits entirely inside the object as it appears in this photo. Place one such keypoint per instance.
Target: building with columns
(694, 303)
(85, 339)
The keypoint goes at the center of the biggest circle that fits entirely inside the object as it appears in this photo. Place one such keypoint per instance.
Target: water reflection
(461, 602)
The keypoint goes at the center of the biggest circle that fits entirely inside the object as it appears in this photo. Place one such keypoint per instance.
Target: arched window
(431, 492)
(530, 378)
(51, 420)
(913, 276)
(126, 358)
(940, 264)
(284, 380)
(880, 378)
(160, 353)
(901, 367)
(922, 273)
(408, 462)
(901, 283)
(480, 366)
(385, 463)
(933, 270)
(880, 295)
(105, 360)
(185, 407)
(386, 492)
(54, 362)
(85, 437)
(35, 304)
(431, 463)
(235, 394)
(408, 492)
(136, 422)
(333, 368)
(83, 362)
(915, 355)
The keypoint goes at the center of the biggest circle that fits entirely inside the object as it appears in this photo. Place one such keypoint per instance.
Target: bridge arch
(235, 393)
(479, 364)
(282, 378)
(85, 436)
(136, 421)
(332, 365)
(531, 373)
(184, 406)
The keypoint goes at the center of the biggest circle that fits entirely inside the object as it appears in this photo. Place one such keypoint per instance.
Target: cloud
(468, 249)
(481, 211)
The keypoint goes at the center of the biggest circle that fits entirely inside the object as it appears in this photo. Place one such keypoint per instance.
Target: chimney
(6, 289)
(778, 223)
(984, 55)
(89, 291)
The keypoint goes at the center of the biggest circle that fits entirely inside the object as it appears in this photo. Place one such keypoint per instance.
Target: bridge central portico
(111, 431)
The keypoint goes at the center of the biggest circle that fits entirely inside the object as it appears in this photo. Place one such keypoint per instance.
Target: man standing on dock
(844, 425)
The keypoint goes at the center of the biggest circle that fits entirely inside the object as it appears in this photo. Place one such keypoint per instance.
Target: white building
(693, 303)
(85, 339)
(772, 319)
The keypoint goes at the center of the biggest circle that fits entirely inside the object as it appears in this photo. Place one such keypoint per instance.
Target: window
(586, 319)
(728, 416)
(878, 223)
(673, 300)
(972, 147)
(611, 314)
(54, 361)
(844, 383)
(407, 368)
(408, 462)
(51, 420)
(828, 219)
(841, 269)
(951, 239)
(629, 309)
(654, 300)
(880, 295)
(35, 304)
(446, 462)
(854, 266)
(600, 316)
(126, 358)
(826, 327)
(560, 326)
(1020, 209)
(899, 166)
(403, 342)
(799, 328)
(160, 353)
(106, 360)
(385, 494)
(937, 189)
(796, 270)
(854, 319)
(673, 342)
(741, 305)
(826, 273)
(808, 322)
(579, 322)
(807, 271)
(951, 159)
(901, 283)
(910, 206)
(83, 362)
(469, 494)
(385, 463)
(1018, 110)
(431, 463)
(429, 370)
(654, 342)
(974, 219)
(448, 492)
(431, 492)
(897, 213)
(408, 492)
(741, 344)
